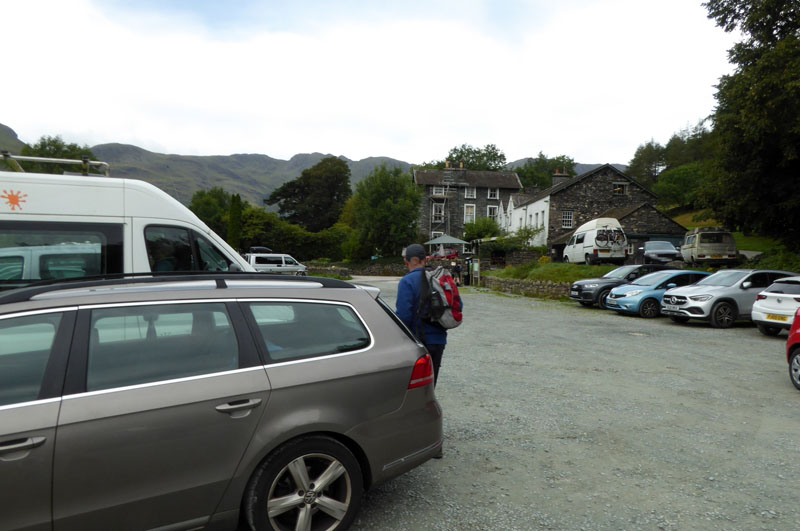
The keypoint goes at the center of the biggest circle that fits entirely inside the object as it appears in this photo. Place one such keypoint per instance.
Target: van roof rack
(151, 277)
(85, 163)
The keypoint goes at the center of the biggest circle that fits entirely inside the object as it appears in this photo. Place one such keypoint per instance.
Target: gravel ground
(563, 417)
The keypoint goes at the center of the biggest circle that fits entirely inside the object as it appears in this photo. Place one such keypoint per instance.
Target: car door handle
(237, 407)
(21, 444)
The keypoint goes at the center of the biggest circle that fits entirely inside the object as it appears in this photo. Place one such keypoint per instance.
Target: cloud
(590, 80)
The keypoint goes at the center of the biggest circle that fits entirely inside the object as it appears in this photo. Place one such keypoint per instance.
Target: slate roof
(486, 179)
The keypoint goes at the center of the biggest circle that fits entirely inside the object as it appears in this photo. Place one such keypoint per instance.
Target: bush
(777, 259)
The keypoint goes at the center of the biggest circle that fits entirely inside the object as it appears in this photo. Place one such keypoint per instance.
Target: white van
(707, 245)
(108, 225)
(276, 263)
(598, 240)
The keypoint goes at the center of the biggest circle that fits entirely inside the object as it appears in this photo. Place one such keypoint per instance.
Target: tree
(679, 186)
(487, 159)
(539, 172)
(54, 147)
(647, 163)
(755, 180)
(212, 207)
(316, 198)
(234, 238)
(385, 210)
(481, 228)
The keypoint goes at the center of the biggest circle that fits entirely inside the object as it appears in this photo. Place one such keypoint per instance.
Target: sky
(407, 79)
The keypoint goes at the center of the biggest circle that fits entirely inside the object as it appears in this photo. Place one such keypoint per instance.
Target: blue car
(643, 295)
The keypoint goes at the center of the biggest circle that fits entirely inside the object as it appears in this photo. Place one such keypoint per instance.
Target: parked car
(643, 295)
(592, 291)
(659, 252)
(276, 263)
(722, 298)
(709, 245)
(444, 254)
(775, 307)
(598, 240)
(793, 350)
(205, 401)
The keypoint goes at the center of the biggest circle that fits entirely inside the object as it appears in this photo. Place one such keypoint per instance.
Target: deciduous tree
(55, 147)
(539, 172)
(488, 158)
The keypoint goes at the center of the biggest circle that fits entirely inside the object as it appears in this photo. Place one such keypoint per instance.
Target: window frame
(437, 218)
(489, 211)
(471, 192)
(437, 190)
(567, 219)
(495, 195)
(616, 185)
(474, 213)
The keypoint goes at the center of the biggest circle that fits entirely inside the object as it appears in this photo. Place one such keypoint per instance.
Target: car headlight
(590, 285)
(701, 298)
(632, 293)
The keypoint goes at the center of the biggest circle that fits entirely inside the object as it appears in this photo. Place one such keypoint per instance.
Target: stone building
(456, 196)
(572, 201)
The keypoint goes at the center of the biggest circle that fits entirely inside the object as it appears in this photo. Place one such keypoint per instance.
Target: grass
(553, 272)
(760, 244)
(688, 221)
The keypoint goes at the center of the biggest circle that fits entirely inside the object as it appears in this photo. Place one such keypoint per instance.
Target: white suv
(775, 307)
(275, 263)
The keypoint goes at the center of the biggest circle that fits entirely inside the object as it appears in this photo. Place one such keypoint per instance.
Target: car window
(658, 246)
(723, 278)
(652, 279)
(285, 326)
(758, 280)
(11, 267)
(620, 272)
(682, 280)
(579, 238)
(289, 260)
(139, 344)
(25, 347)
(169, 249)
(789, 287)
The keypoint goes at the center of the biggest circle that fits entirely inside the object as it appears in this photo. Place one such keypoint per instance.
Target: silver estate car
(213, 401)
(722, 298)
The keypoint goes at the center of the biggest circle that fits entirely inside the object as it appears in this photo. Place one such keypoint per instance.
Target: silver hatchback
(205, 402)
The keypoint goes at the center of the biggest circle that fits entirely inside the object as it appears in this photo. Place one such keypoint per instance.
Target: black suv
(595, 290)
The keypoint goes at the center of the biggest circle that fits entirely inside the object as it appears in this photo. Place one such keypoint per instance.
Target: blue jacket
(408, 293)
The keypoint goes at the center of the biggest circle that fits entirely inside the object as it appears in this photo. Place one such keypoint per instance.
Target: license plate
(610, 302)
(573, 293)
(671, 307)
(604, 251)
(716, 256)
(773, 317)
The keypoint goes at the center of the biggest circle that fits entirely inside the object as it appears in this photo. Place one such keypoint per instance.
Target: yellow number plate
(773, 317)
(716, 256)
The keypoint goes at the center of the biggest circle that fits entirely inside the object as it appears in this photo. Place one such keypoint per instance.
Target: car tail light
(760, 297)
(595, 252)
(422, 374)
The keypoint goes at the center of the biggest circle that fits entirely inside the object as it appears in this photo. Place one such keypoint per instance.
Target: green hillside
(9, 141)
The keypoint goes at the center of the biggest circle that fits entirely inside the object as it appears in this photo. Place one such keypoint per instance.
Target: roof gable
(583, 177)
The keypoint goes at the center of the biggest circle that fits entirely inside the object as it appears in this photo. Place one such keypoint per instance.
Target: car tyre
(770, 331)
(794, 367)
(723, 315)
(308, 483)
(649, 308)
(601, 299)
(566, 259)
(679, 319)
(588, 259)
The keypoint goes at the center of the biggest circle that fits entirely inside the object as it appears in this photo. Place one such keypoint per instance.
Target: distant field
(688, 221)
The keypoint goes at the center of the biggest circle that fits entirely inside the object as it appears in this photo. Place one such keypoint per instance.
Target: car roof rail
(85, 163)
(151, 277)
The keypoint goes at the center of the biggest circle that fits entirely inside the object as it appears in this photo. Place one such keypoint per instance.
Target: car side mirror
(747, 285)
(671, 285)
(234, 267)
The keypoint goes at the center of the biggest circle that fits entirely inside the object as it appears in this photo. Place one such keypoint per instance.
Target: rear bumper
(761, 318)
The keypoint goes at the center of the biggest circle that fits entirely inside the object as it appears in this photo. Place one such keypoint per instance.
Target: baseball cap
(414, 250)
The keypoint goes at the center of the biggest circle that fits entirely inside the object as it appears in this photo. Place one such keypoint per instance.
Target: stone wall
(390, 270)
(516, 258)
(529, 288)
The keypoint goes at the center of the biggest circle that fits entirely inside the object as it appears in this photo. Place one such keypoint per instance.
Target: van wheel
(649, 308)
(309, 483)
(566, 259)
(723, 315)
(588, 258)
(771, 331)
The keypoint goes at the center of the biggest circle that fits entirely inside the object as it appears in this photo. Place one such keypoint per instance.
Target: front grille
(675, 300)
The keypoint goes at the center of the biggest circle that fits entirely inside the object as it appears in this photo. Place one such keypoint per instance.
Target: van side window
(169, 249)
(210, 257)
(38, 250)
(25, 346)
(579, 238)
(139, 344)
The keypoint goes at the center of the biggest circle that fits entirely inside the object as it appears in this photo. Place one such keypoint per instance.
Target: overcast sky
(407, 79)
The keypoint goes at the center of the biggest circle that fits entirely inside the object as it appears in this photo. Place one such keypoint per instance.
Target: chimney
(446, 163)
(559, 177)
(461, 164)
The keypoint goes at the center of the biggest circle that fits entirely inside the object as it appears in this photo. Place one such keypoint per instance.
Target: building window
(438, 191)
(542, 218)
(494, 193)
(491, 212)
(537, 220)
(469, 213)
(436, 234)
(469, 192)
(437, 212)
(620, 188)
(566, 219)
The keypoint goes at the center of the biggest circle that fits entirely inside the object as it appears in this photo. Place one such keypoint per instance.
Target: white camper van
(598, 240)
(77, 225)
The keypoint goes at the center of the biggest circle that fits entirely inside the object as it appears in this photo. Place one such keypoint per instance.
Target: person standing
(433, 336)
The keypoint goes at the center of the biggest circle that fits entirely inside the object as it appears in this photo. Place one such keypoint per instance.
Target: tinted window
(139, 344)
(211, 259)
(658, 246)
(620, 272)
(169, 249)
(285, 329)
(31, 251)
(790, 287)
(723, 278)
(759, 280)
(579, 238)
(652, 279)
(25, 345)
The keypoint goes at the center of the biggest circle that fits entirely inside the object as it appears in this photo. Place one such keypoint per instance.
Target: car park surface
(722, 299)
(643, 295)
(551, 425)
(595, 290)
(202, 402)
(775, 307)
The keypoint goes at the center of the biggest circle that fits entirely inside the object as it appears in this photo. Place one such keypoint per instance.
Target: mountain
(580, 169)
(9, 140)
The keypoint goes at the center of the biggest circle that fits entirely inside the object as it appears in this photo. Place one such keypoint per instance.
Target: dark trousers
(436, 352)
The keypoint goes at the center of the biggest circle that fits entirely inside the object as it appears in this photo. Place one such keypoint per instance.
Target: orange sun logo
(14, 199)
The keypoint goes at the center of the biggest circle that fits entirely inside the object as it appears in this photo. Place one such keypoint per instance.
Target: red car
(444, 254)
(793, 350)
